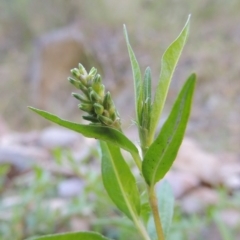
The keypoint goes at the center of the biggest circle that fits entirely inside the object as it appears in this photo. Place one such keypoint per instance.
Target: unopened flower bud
(97, 79)
(74, 82)
(91, 118)
(78, 85)
(97, 85)
(83, 79)
(108, 103)
(82, 69)
(86, 107)
(98, 108)
(114, 116)
(101, 91)
(106, 113)
(94, 96)
(105, 120)
(81, 97)
(93, 71)
(117, 123)
(94, 101)
(75, 72)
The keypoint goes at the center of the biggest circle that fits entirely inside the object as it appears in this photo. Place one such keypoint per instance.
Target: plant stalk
(142, 230)
(146, 141)
(154, 206)
(137, 160)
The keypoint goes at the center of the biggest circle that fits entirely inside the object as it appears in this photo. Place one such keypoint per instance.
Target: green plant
(22, 205)
(152, 218)
(28, 199)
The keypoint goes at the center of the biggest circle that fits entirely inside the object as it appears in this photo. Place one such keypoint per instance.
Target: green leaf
(145, 212)
(145, 118)
(72, 236)
(168, 65)
(119, 181)
(136, 76)
(163, 151)
(166, 208)
(92, 131)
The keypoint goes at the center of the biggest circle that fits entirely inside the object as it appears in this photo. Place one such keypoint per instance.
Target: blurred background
(50, 177)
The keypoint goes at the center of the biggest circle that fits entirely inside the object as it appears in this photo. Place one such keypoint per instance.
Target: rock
(230, 217)
(232, 182)
(83, 149)
(70, 187)
(229, 171)
(22, 157)
(80, 224)
(191, 158)
(198, 199)
(57, 204)
(58, 51)
(15, 138)
(181, 182)
(54, 137)
(55, 54)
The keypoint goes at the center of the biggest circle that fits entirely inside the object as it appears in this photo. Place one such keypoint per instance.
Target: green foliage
(163, 151)
(157, 155)
(195, 226)
(119, 181)
(32, 197)
(27, 212)
(136, 77)
(168, 65)
(166, 208)
(71, 236)
(92, 131)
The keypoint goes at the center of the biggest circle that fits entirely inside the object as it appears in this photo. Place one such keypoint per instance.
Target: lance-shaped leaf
(136, 76)
(146, 110)
(92, 131)
(166, 208)
(119, 181)
(168, 65)
(163, 151)
(72, 236)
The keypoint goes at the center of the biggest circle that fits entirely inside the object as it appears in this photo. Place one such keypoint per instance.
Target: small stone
(181, 182)
(79, 224)
(57, 204)
(198, 199)
(232, 182)
(230, 217)
(191, 158)
(16, 138)
(70, 187)
(230, 174)
(54, 137)
(22, 157)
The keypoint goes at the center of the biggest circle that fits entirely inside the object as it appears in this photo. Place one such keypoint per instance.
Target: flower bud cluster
(93, 99)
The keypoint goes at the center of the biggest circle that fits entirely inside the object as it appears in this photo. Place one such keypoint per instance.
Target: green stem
(146, 140)
(137, 160)
(142, 230)
(143, 136)
(154, 206)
